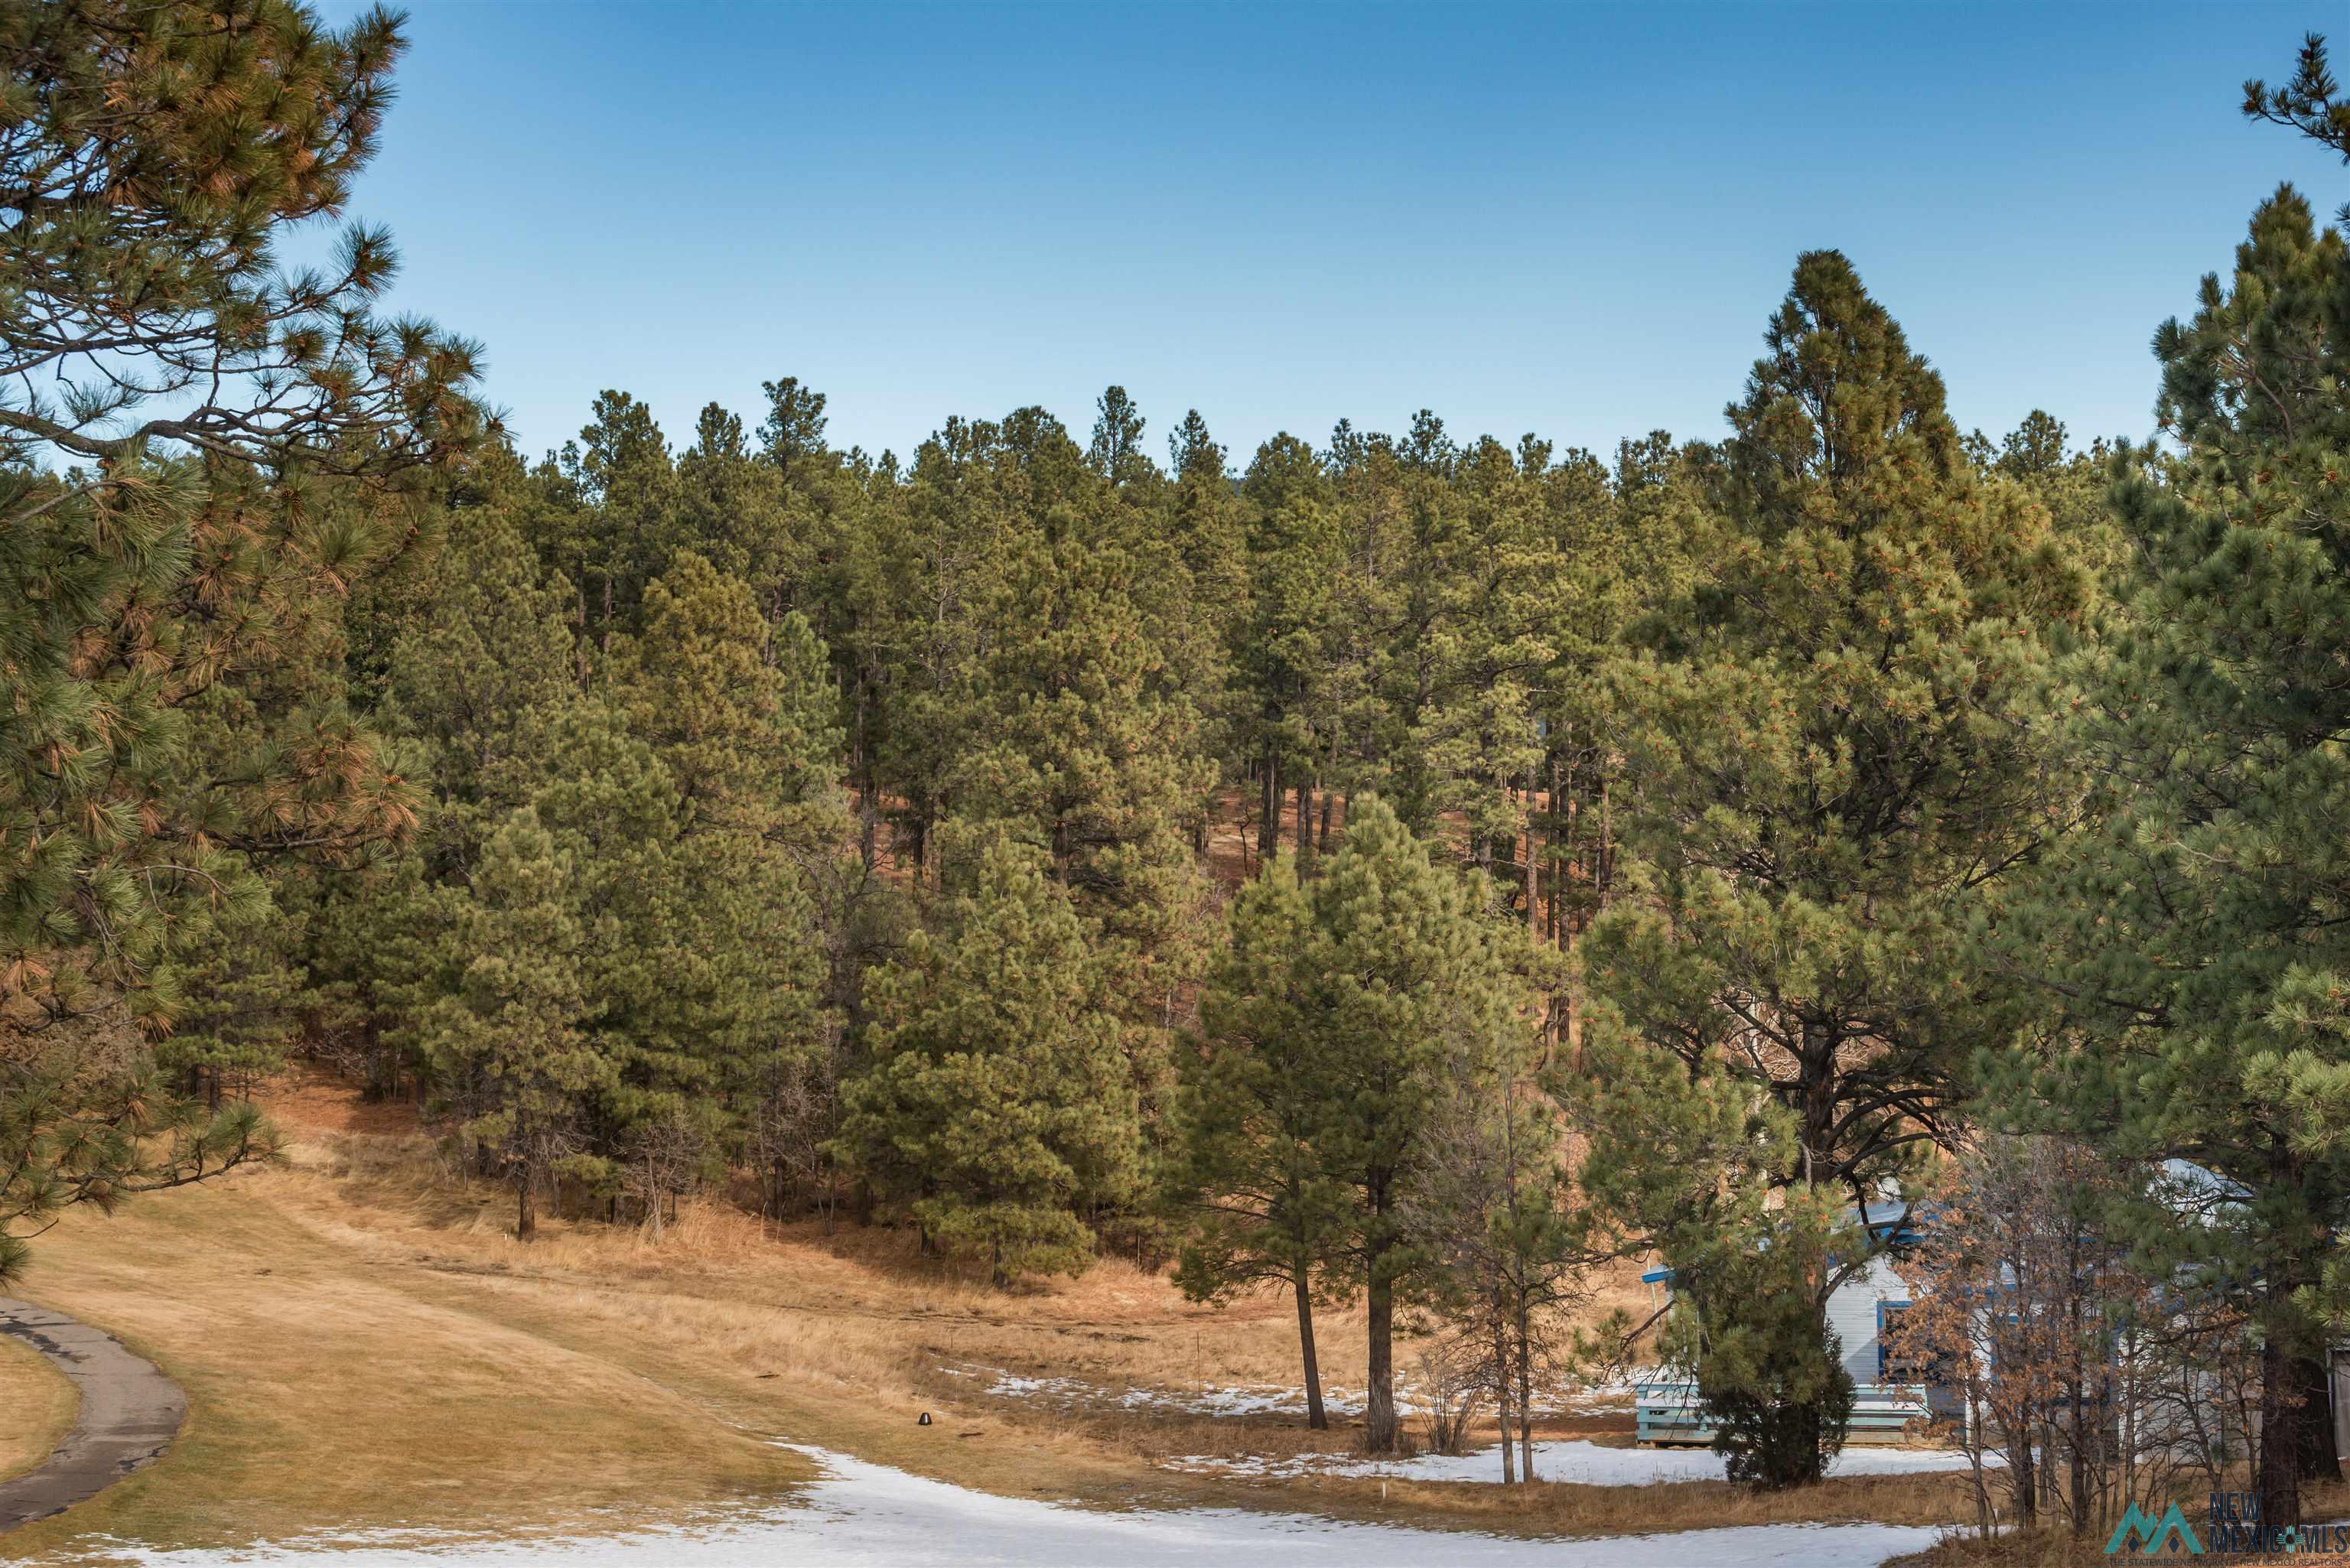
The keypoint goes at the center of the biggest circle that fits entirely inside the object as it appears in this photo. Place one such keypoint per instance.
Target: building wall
(1852, 1316)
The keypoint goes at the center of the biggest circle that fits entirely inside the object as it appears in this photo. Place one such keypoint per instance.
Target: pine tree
(1691, 1160)
(1116, 454)
(1256, 1085)
(248, 996)
(1391, 973)
(736, 511)
(628, 526)
(2196, 927)
(714, 772)
(508, 1045)
(1829, 760)
(1089, 752)
(200, 449)
(924, 579)
(790, 438)
(998, 1110)
(1304, 705)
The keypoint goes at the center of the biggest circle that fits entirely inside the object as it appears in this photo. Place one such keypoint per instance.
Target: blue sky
(1568, 219)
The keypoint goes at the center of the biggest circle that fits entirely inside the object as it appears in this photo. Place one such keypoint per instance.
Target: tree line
(1402, 868)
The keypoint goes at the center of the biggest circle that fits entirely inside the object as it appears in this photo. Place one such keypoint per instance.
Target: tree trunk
(525, 1218)
(2076, 1387)
(1501, 1396)
(1305, 822)
(2079, 1477)
(2318, 1460)
(2020, 1460)
(1378, 1405)
(868, 808)
(1268, 828)
(1316, 1418)
(1605, 877)
(1534, 864)
(1525, 1391)
(2278, 1483)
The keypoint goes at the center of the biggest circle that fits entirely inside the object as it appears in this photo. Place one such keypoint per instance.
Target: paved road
(130, 1413)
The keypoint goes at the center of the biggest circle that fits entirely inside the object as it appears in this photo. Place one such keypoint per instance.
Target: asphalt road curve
(130, 1413)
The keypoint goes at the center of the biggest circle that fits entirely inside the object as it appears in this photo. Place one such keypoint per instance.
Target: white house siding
(1852, 1316)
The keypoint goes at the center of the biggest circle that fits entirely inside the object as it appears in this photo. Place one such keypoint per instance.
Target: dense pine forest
(1394, 866)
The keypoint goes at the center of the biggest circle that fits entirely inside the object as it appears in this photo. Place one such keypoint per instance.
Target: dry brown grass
(2056, 1549)
(328, 1388)
(37, 1408)
(365, 1344)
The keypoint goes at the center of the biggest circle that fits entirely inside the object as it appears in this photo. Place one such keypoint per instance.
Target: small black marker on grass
(925, 1420)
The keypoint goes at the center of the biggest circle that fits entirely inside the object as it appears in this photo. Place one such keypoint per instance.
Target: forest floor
(366, 1348)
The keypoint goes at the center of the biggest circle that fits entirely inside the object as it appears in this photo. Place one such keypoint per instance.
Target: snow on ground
(868, 1516)
(1252, 1399)
(1566, 1459)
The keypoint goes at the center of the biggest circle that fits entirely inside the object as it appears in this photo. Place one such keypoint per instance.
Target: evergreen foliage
(2194, 931)
(1830, 762)
(997, 1109)
(664, 812)
(200, 449)
(1380, 974)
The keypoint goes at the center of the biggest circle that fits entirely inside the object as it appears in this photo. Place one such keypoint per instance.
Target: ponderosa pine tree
(2198, 927)
(247, 996)
(1828, 757)
(1080, 745)
(179, 410)
(682, 809)
(1116, 454)
(1474, 644)
(1306, 708)
(735, 510)
(790, 438)
(509, 1043)
(476, 686)
(1392, 973)
(1205, 523)
(1259, 1202)
(924, 577)
(998, 1109)
(1691, 1160)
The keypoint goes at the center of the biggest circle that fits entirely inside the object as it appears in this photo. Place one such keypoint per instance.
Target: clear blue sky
(1568, 219)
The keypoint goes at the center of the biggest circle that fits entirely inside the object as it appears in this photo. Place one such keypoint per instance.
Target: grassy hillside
(365, 1346)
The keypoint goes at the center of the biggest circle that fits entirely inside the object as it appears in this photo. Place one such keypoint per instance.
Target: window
(1893, 1363)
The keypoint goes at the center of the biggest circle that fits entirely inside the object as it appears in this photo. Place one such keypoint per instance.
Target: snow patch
(860, 1515)
(1252, 1399)
(1563, 1460)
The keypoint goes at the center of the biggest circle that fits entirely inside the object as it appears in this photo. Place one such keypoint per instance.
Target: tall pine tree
(1829, 762)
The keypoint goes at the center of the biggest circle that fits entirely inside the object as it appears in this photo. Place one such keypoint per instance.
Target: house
(1864, 1307)
(1859, 1311)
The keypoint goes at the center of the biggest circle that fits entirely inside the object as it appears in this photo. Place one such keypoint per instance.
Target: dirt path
(130, 1413)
